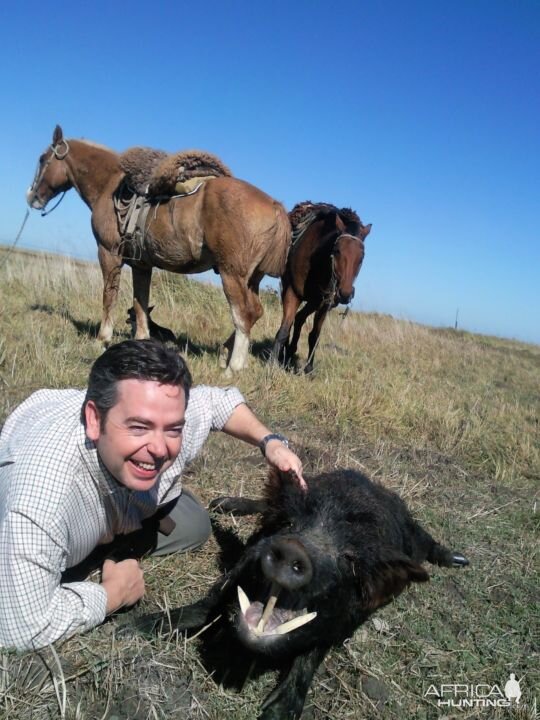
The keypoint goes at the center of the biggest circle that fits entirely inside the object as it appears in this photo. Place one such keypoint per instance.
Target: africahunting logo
(481, 695)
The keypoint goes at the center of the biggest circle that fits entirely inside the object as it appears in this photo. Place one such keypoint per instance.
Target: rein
(333, 286)
(12, 247)
(331, 296)
(47, 212)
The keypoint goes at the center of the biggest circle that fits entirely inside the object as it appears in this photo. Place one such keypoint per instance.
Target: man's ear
(93, 421)
(391, 576)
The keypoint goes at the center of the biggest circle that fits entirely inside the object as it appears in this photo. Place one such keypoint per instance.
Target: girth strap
(131, 211)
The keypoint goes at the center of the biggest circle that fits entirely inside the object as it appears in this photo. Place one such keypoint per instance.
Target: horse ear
(58, 135)
(366, 230)
(332, 220)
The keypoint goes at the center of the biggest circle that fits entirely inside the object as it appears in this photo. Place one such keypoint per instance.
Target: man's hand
(243, 424)
(123, 582)
(285, 460)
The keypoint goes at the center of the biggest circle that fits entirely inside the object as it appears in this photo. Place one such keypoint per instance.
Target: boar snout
(287, 563)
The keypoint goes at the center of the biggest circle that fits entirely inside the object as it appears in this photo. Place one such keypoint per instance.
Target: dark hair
(138, 360)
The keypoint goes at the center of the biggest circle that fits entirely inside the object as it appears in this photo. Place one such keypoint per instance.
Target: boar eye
(298, 567)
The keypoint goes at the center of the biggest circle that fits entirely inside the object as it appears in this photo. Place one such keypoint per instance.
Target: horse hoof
(223, 358)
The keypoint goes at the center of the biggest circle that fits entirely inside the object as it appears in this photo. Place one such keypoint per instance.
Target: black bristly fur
(364, 548)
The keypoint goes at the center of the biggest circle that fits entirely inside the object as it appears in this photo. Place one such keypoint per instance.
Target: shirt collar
(99, 473)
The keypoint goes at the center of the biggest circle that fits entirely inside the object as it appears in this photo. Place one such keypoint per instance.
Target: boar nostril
(287, 563)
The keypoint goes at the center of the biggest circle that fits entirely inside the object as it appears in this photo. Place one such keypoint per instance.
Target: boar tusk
(274, 592)
(243, 600)
(295, 623)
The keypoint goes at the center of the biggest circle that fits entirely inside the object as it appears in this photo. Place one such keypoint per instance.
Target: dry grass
(450, 420)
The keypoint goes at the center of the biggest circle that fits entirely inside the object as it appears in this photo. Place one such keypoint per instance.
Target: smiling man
(89, 476)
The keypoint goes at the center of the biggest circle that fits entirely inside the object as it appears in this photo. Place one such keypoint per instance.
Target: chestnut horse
(228, 225)
(323, 263)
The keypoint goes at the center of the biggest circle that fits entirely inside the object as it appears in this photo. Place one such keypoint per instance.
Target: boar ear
(390, 577)
(278, 479)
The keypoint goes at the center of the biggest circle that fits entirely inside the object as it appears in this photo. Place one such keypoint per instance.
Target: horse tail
(277, 240)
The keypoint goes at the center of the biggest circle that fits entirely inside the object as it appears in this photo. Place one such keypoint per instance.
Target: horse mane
(155, 172)
(93, 144)
(307, 212)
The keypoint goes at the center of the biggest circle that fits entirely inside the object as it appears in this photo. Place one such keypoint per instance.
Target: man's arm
(35, 608)
(244, 425)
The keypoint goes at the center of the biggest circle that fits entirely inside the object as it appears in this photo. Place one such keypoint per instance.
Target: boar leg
(189, 617)
(238, 505)
(286, 701)
(200, 613)
(426, 548)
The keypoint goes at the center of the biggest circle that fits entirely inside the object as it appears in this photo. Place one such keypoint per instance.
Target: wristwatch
(273, 436)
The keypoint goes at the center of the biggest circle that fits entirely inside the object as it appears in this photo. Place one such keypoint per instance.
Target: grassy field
(448, 419)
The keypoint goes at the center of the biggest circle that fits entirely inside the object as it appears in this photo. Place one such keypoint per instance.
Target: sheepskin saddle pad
(156, 173)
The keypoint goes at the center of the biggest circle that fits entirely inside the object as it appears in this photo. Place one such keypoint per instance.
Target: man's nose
(158, 445)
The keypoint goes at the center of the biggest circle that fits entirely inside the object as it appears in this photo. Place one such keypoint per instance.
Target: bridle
(58, 151)
(333, 286)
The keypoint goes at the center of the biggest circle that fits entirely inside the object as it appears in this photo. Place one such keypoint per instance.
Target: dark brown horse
(324, 260)
(226, 224)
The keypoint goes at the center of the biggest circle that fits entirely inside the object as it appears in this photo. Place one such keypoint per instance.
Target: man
(77, 486)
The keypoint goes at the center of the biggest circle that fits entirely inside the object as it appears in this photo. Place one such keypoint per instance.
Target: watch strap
(272, 436)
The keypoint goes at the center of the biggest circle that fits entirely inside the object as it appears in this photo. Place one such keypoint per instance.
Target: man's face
(143, 431)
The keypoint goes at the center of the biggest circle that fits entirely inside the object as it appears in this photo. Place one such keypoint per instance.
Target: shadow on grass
(188, 347)
(84, 328)
(89, 329)
(262, 349)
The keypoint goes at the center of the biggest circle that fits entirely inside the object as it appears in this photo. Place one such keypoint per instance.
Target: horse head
(51, 177)
(347, 257)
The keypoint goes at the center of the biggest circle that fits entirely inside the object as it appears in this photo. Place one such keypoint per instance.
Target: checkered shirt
(58, 502)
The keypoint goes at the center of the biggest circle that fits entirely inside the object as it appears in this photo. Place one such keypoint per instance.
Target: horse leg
(111, 266)
(313, 337)
(300, 319)
(245, 311)
(290, 302)
(141, 297)
(225, 351)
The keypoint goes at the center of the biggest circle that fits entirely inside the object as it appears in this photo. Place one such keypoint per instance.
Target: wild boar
(320, 563)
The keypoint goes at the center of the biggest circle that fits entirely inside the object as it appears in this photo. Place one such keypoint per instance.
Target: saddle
(154, 175)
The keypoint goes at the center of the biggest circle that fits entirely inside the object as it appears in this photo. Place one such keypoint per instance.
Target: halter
(59, 151)
(333, 286)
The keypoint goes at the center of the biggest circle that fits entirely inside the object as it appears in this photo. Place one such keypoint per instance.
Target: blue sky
(424, 116)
